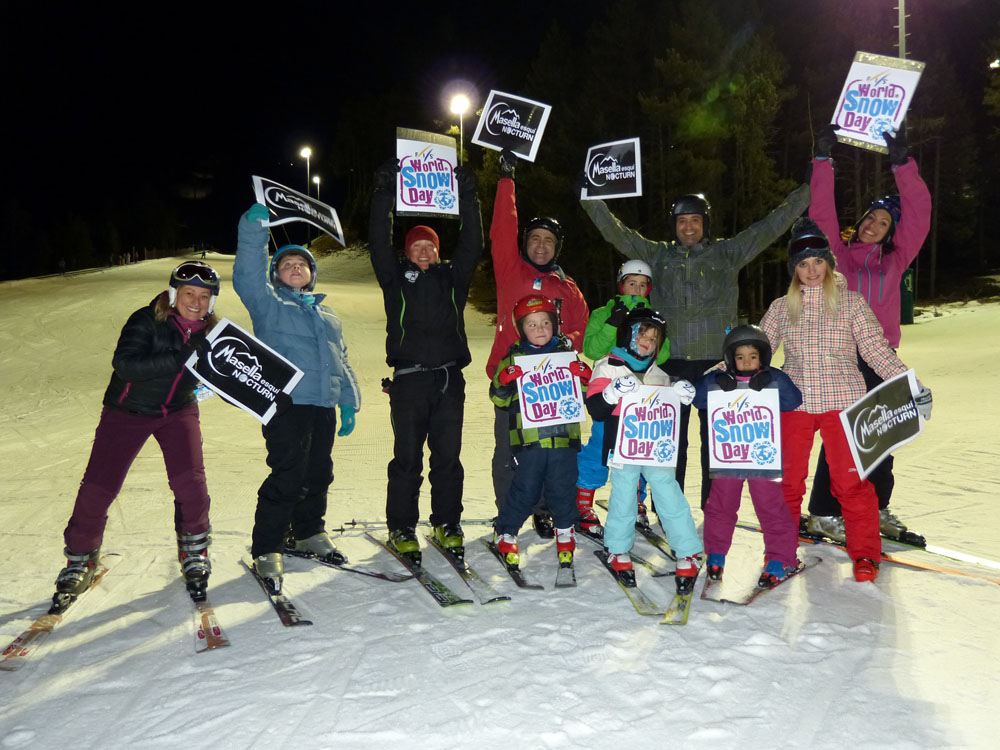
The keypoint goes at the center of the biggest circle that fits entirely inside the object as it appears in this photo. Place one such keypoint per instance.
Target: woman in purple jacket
(873, 255)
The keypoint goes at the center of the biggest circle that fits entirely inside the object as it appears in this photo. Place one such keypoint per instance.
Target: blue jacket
(789, 395)
(308, 335)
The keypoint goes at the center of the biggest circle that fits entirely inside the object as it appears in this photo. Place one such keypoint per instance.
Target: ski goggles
(187, 272)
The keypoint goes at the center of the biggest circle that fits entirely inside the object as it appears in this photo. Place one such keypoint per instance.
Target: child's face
(747, 358)
(294, 271)
(636, 284)
(647, 341)
(537, 328)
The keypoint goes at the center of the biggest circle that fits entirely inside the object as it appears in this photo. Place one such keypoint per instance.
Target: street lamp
(305, 153)
(460, 105)
(316, 183)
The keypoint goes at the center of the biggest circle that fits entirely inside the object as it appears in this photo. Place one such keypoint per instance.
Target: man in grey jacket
(695, 287)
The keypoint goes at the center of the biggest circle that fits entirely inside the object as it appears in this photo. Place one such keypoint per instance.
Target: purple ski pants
(781, 531)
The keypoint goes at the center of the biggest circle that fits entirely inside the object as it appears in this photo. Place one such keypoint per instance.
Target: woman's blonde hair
(831, 297)
(163, 308)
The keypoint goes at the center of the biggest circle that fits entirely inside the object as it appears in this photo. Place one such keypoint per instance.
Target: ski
(208, 633)
(679, 609)
(443, 595)
(21, 648)
(514, 572)
(479, 586)
(886, 557)
(754, 593)
(382, 576)
(642, 603)
(906, 539)
(286, 611)
(646, 530)
(566, 574)
(655, 570)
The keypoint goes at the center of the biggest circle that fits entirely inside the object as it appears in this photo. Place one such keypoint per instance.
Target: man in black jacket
(427, 348)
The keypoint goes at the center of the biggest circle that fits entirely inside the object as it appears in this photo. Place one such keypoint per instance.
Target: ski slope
(821, 662)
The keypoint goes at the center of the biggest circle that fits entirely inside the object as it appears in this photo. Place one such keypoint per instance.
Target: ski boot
(319, 545)
(621, 566)
(589, 522)
(506, 545)
(404, 541)
(830, 527)
(774, 573)
(716, 563)
(542, 522)
(566, 546)
(687, 572)
(865, 569)
(75, 578)
(642, 515)
(892, 528)
(192, 554)
(270, 567)
(452, 538)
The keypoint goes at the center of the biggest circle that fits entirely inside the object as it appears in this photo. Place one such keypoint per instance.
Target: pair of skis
(712, 590)
(565, 573)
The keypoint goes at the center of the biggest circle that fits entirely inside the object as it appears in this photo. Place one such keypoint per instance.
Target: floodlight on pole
(460, 105)
(316, 183)
(305, 153)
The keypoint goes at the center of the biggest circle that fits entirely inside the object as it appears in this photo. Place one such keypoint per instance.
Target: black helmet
(547, 223)
(628, 330)
(746, 336)
(694, 203)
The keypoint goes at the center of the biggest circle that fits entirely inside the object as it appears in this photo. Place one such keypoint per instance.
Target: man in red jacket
(521, 269)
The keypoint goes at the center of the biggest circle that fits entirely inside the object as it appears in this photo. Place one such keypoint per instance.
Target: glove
(619, 387)
(897, 147)
(581, 370)
(760, 380)
(924, 401)
(826, 139)
(725, 381)
(346, 421)
(282, 403)
(507, 163)
(509, 374)
(466, 179)
(618, 313)
(196, 344)
(258, 212)
(685, 391)
(385, 175)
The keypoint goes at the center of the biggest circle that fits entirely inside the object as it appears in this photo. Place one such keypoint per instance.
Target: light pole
(316, 183)
(305, 153)
(459, 106)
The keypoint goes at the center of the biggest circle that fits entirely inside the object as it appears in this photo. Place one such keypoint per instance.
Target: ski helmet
(628, 331)
(547, 223)
(634, 268)
(808, 241)
(693, 203)
(748, 335)
(535, 303)
(891, 205)
(293, 250)
(194, 273)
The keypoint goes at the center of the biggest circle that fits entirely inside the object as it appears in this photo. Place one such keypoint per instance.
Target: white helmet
(634, 268)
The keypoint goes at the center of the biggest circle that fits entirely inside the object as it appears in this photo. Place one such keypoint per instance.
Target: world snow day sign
(613, 170)
(876, 96)
(426, 185)
(512, 122)
(550, 394)
(648, 427)
(744, 433)
(881, 421)
(244, 370)
(287, 205)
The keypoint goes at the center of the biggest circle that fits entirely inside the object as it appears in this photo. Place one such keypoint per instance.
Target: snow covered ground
(822, 662)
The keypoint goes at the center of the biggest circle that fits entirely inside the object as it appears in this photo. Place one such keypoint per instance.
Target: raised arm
(470, 237)
(626, 241)
(383, 257)
(753, 240)
(250, 267)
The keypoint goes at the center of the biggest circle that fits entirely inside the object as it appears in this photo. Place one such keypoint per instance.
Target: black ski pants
(428, 405)
(691, 370)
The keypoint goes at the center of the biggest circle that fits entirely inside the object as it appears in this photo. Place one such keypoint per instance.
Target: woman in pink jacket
(824, 327)
(873, 259)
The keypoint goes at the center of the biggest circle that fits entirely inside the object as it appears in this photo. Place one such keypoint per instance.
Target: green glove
(258, 212)
(346, 421)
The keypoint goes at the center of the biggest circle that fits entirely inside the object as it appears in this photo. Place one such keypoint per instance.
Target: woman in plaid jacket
(823, 327)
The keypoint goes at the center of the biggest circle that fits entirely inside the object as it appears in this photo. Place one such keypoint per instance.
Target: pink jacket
(876, 275)
(516, 278)
(821, 355)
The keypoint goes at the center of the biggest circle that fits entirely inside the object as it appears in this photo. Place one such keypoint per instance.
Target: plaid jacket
(696, 288)
(821, 355)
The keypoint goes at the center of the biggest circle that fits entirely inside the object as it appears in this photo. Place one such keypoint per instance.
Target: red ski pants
(857, 496)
